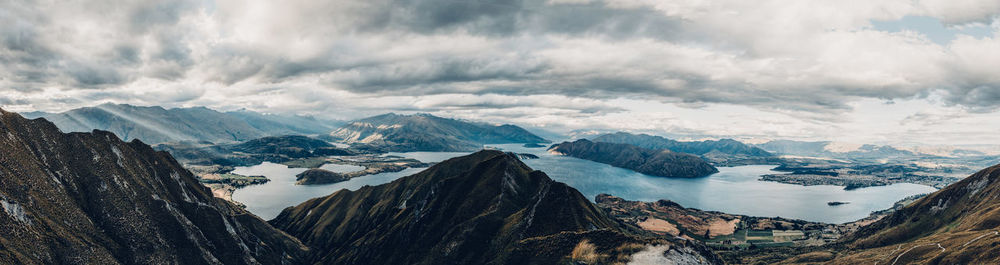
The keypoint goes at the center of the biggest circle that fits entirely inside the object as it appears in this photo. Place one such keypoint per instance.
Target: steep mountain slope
(956, 225)
(159, 125)
(662, 163)
(720, 151)
(959, 224)
(424, 132)
(484, 208)
(89, 198)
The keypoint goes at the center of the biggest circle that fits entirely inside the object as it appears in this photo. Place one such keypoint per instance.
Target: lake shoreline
(735, 190)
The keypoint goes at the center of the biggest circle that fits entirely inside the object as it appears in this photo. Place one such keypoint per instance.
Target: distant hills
(724, 151)
(159, 125)
(425, 132)
(90, 198)
(656, 162)
(484, 208)
(276, 149)
(835, 150)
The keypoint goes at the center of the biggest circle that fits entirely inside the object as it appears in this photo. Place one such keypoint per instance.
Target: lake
(342, 168)
(732, 190)
(268, 199)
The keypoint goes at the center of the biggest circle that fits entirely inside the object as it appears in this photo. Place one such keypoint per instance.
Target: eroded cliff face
(484, 208)
(90, 198)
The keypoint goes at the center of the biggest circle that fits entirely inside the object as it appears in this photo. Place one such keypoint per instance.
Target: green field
(757, 238)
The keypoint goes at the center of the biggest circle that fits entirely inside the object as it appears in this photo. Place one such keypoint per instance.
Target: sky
(888, 71)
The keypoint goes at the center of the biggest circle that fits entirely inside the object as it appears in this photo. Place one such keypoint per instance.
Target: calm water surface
(268, 199)
(732, 190)
(341, 168)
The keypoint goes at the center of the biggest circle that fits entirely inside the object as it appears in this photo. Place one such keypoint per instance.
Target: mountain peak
(474, 209)
(92, 198)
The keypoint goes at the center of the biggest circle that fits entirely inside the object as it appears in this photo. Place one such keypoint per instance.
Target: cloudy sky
(888, 71)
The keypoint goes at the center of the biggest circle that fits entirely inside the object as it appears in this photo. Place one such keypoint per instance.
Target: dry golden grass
(585, 252)
(720, 227)
(660, 226)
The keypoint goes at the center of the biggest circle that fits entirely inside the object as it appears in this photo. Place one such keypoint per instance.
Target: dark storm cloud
(8, 101)
(402, 18)
(22, 54)
(980, 98)
(513, 17)
(435, 76)
(147, 16)
(35, 53)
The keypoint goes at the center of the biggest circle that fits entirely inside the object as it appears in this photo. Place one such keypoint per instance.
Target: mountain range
(723, 151)
(484, 208)
(829, 149)
(159, 125)
(90, 198)
(424, 132)
(656, 162)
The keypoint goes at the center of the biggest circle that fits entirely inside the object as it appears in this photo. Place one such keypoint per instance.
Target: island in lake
(372, 164)
(663, 163)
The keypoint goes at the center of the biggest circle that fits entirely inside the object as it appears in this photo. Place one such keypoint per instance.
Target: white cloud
(801, 68)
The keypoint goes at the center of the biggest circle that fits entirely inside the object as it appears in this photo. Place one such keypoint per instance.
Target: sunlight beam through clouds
(697, 68)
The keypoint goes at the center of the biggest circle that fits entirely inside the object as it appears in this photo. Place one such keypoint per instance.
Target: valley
(215, 164)
(268, 174)
(499, 132)
(733, 190)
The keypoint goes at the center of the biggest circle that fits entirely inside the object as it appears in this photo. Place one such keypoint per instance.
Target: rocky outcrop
(424, 132)
(662, 163)
(90, 198)
(484, 208)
